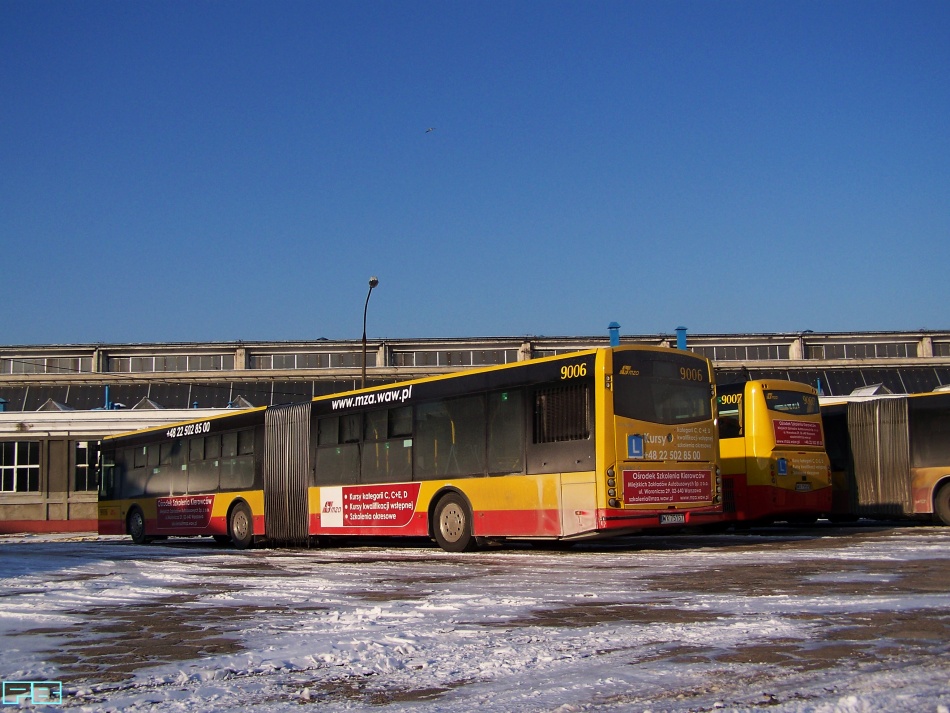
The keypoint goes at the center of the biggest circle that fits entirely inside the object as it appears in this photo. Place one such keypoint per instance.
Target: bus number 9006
(573, 371)
(687, 374)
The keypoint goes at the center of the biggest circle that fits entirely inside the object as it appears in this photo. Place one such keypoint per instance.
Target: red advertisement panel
(368, 505)
(184, 511)
(797, 433)
(641, 487)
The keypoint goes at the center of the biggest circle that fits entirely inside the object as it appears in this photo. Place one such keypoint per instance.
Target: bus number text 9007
(189, 429)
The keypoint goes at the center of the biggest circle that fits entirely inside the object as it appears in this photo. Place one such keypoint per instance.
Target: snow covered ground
(842, 620)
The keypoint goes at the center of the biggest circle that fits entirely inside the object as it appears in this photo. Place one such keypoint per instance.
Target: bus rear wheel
(241, 526)
(942, 504)
(453, 524)
(136, 526)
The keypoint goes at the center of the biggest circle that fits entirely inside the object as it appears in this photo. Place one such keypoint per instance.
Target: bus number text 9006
(189, 429)
(573, 371)
(687, 374)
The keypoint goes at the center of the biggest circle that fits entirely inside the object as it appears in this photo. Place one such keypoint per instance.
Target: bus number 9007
(573, 371)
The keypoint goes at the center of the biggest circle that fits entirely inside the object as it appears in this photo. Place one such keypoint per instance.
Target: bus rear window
(793, 402)
(661, 388)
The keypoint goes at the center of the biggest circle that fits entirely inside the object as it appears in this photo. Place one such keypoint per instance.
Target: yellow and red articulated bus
(890, 456)
(589, 444)
(772, 452)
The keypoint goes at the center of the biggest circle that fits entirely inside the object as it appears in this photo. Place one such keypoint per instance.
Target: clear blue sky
(177, 171)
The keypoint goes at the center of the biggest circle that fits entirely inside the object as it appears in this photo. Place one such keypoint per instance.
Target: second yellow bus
(772, 452)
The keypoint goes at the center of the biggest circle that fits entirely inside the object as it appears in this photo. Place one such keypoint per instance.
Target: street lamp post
(373, 281)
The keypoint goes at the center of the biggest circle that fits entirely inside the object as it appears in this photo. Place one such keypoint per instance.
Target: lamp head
(373, 281)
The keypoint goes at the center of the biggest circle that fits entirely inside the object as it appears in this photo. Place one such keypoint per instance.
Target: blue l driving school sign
(635, 446)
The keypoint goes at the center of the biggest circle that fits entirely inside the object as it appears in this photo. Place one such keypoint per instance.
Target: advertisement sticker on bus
(368, 505)
(184, 511)
(665, 486)
(797, 433)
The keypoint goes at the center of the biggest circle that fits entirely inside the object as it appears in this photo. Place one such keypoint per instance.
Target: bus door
(287, 473)
(731, 412)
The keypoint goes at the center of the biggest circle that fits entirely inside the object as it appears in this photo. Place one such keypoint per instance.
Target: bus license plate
(803, 487)
(678, 518)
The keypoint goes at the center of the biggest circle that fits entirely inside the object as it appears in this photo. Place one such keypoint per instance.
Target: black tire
(452, 524)
(241, 526)
(942, 505)
(135, 525)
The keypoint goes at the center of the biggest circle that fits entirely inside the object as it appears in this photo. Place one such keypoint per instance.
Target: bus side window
(387, 456)
(506, 432)
(229, 445)
(328, 431)
(450, 438)
(132, 472)
(351, 428)
(337, 462)
(729, 426)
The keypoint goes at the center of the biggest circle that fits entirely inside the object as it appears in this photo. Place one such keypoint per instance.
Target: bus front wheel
(453, 524)
(136, 526)
(241, 526)
(942, 504)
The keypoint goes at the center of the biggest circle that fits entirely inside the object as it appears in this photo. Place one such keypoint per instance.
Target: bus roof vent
(50, 405)
(147, 403)
(872, 390)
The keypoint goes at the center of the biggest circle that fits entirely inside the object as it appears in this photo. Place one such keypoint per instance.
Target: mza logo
(330, 507)
(37, 693)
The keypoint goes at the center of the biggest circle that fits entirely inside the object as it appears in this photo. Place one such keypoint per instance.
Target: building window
(68, 365)
(171, 362)
(494, 356)
(826, 351)
(28, 366)
(941, 349)
(261, 361)
(765, 352)
(211, 362)
(284, 361)
(341, 360)
(87, 455)
(313, 361)
(142, 364)
(20, 467)
(872, 350)
(120, 365)
(897, 350)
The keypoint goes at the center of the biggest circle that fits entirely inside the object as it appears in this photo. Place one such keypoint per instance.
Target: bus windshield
(793, 402)
(661, 388)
